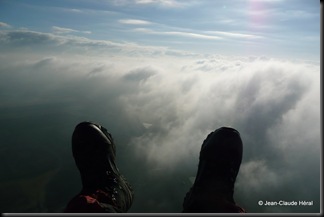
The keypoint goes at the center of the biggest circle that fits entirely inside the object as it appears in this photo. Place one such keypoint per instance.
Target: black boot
(94, 153)
(219, 163)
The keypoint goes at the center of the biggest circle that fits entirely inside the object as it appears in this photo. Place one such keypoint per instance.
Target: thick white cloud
(255, 96)
(161, 107)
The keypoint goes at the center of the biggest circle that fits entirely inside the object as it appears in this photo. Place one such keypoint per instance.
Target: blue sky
(284, 29)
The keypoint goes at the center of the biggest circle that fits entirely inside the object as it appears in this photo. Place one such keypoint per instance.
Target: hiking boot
(94, 152)
(219, 163)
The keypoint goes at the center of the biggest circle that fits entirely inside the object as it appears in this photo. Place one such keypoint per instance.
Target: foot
(94, 152)
(219, 162)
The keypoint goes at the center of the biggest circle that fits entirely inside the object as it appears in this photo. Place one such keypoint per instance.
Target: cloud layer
(160, 105)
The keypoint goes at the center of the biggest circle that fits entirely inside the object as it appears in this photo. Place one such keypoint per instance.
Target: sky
(160, 76)
(277, 28)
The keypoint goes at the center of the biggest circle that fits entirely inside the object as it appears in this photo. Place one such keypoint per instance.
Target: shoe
(94, 152)
(219, 163)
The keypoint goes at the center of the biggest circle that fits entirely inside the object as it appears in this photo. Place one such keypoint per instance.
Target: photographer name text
(286, 203)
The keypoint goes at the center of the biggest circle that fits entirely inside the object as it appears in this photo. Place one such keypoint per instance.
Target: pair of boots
(106, 190)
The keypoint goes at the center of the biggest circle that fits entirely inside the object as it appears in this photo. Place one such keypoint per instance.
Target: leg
(104, 188)
(219, 162)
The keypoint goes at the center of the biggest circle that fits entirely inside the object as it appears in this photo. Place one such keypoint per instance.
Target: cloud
(2, 24)
(256, 97)
(18, 39)
(243, 88)
(163, 3)
(293, 14)
(134, 22)
(179, 33)
(74, 10)
(61, 30)
(192, 35)
(235, 35)
(139, 74)
(26, 37)
(159, 109)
